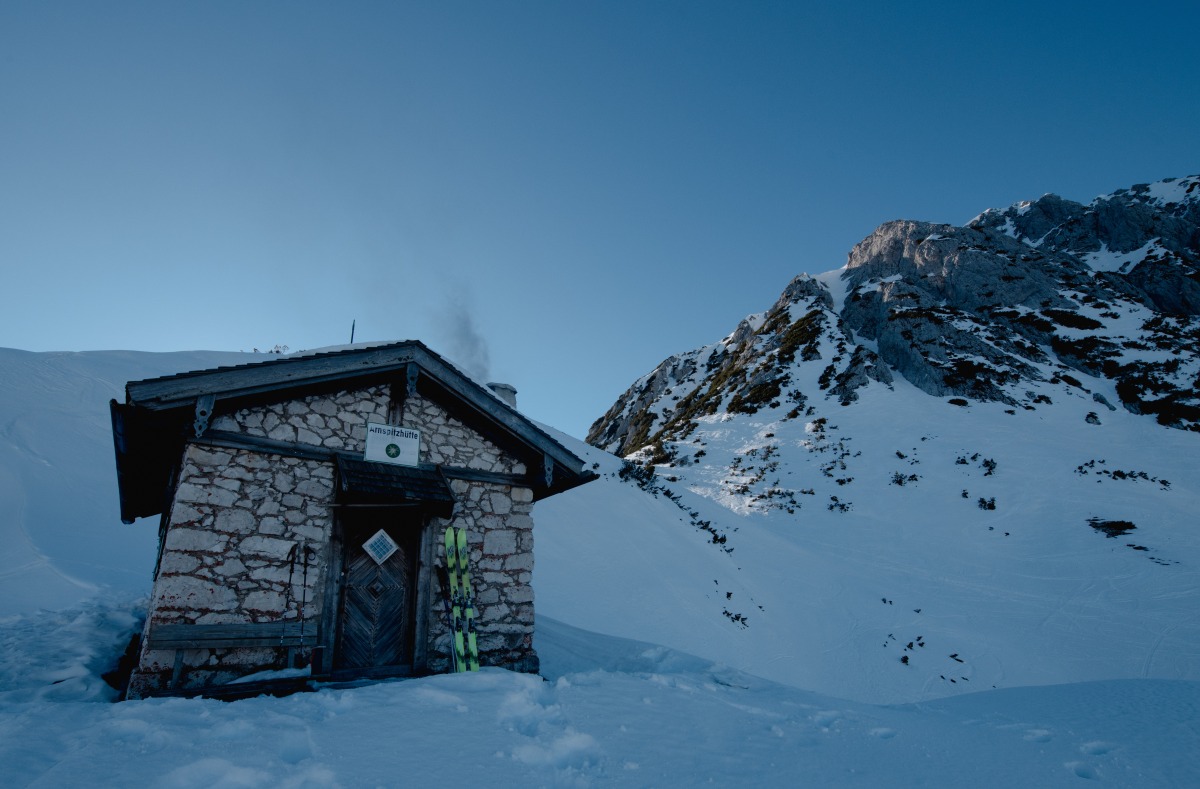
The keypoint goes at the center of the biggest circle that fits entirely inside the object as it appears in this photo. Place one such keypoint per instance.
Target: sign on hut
(302, 506)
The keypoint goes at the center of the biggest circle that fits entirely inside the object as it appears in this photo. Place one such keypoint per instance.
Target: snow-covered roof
(151, 426)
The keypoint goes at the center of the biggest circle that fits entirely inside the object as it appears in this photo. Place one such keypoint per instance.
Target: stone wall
(233, 552)
(237, 516)
(445, 441)
(339, 421)
(500, 535)
(335, 421)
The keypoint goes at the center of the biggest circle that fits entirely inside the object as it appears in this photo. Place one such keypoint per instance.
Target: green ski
(468, 599)
(456, 618)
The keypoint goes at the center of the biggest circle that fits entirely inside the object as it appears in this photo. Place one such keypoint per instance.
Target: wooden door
(376, 623)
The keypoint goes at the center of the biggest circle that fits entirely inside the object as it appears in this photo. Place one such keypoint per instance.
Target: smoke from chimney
(464, 344)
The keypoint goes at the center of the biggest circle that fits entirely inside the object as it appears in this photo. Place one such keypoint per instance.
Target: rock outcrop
(1036, 293)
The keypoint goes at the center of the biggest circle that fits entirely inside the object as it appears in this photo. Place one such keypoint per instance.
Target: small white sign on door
(400, 446)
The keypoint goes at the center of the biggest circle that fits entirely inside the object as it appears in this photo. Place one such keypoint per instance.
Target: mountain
(1035, 294)
(919, 522)
(661, 610)
(981, 437)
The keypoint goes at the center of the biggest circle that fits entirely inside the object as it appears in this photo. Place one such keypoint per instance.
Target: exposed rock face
(749, 370)
(1156, 227)
(1027, 294)
(922, 291)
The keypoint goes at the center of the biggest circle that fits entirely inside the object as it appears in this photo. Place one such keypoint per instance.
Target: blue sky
(559, 194)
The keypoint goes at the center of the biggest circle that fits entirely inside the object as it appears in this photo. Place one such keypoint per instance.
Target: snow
(1174, 190)
(610, 712)
(1039, 651)
(1026, 594)
(62, 537)
(1107, 260)
(835, 282)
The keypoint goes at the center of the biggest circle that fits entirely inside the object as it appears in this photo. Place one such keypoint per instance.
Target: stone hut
(274, 481)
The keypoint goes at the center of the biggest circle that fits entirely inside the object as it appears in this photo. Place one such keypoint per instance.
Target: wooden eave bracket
(548, 470)
(204, 411)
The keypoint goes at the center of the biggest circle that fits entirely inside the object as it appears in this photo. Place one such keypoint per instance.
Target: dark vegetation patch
(701, 401)
(749, 400)
(1097, 467)
(1172, 327)
(737, 619)
(987, 464)
(659, 455)
(975, 377)
(749, 391)
(644, 477)
(1111, 529)
(1072, 319)
(1091, 353)
(836, 505)
(804, 332)
(1141, 384)
(1028, 319)
(1067, 379)
(639, 430)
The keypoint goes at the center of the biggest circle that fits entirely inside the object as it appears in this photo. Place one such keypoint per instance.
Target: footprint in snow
(1096, 748)
(826, 718)
(529, 711)
(295, 747)
(568, 750)
(1083, 770)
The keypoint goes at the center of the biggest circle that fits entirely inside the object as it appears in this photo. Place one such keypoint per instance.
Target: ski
(444, 582)
(468, 601)
(458, 639)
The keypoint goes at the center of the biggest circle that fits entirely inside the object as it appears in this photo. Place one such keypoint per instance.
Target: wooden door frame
(335, 561)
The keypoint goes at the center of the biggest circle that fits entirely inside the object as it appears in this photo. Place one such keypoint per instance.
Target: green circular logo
(392, 451)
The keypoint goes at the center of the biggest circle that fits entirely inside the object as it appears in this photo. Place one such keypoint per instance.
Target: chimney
(506, 392)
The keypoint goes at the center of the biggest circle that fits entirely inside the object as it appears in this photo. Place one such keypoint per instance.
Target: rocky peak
(1148, 234)
(1007, 308)
(747, 371)
(968, 267)
(1030, 222)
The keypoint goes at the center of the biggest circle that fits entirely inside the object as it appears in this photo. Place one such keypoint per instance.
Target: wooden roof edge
(493, 407)
(180, 391)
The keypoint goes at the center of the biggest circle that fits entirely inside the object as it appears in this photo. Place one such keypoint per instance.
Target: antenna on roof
(352, 331)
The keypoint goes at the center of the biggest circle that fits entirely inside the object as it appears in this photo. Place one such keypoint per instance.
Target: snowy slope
(1025, 593)
(611, 712)
(965, 460)
(60, 526)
